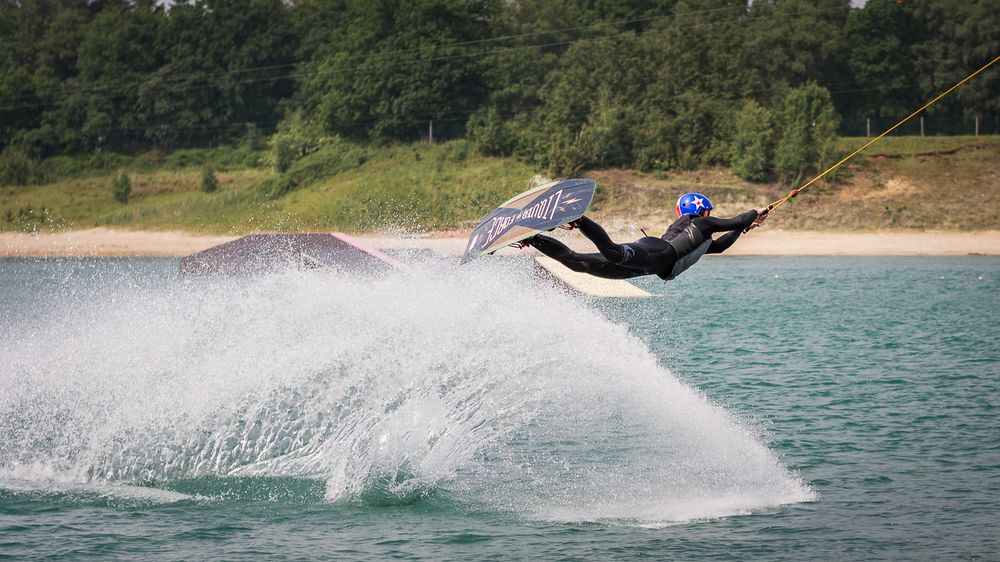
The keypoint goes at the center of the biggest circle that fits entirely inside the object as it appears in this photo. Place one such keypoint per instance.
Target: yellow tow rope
(795, 192)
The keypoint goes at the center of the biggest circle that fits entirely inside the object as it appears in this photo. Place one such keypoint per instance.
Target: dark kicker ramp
(272, 252)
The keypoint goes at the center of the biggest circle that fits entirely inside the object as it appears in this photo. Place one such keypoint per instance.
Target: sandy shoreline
(110, 242)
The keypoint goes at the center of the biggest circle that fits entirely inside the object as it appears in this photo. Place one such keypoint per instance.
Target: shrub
(77, 165)
(296, 138)
(209, 183)
(751, 151)
(696, 129)
(276, 186)
(121, 186)
(17, 167)
(808, 130)
(334, 157)
(490, 133)
(455, 151)
(218, 158)
(253, 139)
(603, 140)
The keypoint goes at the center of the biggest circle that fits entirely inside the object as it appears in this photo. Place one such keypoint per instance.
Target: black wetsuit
(686, 240)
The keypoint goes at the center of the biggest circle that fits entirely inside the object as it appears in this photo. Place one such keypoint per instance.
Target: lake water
(756, 408)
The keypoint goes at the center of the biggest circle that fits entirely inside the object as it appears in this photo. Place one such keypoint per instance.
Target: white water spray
(388, 390)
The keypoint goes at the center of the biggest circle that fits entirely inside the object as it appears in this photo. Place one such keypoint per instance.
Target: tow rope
(796, 191)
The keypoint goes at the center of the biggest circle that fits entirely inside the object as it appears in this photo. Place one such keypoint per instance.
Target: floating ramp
(273, 252)
(587, 284)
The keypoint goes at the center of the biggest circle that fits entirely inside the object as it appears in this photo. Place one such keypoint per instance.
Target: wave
(476, 383)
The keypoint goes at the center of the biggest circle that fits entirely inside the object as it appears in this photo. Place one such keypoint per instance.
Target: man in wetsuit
(683, 244)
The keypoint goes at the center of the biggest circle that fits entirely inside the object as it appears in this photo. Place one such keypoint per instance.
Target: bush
(808, 130)
(209, 183)
(334, 157)
(219, 158)
(696, 130)
(296, 138)
(490, 133)
(17, 167)
(70, 166)
(28, 218)
(253, 139)
(455, 151)
(276, 186)
(604, 140)
(751, 151)
(121, 186)
(652, 135)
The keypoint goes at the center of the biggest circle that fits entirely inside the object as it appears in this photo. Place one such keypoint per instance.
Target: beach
(762, 242)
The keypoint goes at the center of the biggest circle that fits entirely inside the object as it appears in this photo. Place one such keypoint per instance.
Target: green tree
(956, 38)
(209, 183)
(116, 54)
(880, 60)
(27, 81)
(121, 186)
(18, 167)
(752, 148)
(808, 130)
(225, 64)
(789, 43)
(398, 65)
(589, 104)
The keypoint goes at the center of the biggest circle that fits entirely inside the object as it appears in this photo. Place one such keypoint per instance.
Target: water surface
(796, 408)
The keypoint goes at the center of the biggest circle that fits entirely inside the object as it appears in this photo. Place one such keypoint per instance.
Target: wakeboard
(539, 209)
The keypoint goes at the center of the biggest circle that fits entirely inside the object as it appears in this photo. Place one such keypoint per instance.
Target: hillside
(900, 183)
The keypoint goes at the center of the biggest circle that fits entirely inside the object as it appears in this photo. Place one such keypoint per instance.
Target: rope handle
(771, 207)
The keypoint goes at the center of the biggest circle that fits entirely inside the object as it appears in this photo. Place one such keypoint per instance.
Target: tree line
(565, 85)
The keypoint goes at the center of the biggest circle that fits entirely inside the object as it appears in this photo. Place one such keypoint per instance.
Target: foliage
(491, 133)
(752, 149)
(808, 130)
(296, 138)
(569, 85)
(17, 167)
(220, 158)
(397, 64)
(395, 189)
(209, 183)
(334, 157)
(879, 61)
(121, 186)
(331, 156)
(588, 105)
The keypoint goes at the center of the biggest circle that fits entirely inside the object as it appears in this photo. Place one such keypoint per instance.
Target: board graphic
(539, 209)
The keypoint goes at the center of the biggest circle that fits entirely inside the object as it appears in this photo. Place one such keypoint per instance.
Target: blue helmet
(692, 204)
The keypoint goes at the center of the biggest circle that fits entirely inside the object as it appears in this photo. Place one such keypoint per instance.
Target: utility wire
(392, 53)
(132, 89)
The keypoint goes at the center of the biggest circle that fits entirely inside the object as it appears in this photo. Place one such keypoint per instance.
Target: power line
(311, 70)
(590, 27)
(393, 62)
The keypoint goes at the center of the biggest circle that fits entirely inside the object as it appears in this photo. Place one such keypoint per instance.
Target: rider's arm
(722, 243)
(711, 225)
(732, 227)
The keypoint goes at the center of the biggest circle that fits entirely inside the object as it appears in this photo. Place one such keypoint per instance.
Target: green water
(778, 408)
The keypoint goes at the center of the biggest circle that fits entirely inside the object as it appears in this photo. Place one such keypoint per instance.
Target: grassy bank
(906, 183)
(900, 182)
(418, 187)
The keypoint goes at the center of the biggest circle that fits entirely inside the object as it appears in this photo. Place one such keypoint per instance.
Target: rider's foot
(572, 225)
(522, 244)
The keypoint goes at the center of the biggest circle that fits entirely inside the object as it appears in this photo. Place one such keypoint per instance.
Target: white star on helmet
(698, 202)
